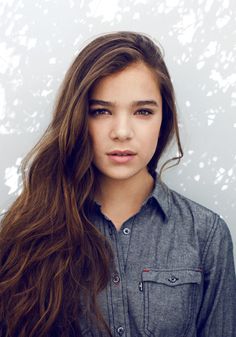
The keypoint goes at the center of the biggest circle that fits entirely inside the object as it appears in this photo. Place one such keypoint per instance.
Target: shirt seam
(122, 276)
(209, 240)
(169, 208)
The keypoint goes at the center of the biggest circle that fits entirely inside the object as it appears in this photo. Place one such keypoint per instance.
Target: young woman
(97, 244)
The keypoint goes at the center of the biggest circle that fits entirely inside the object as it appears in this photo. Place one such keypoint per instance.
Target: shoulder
(189, 208)
(195, 217)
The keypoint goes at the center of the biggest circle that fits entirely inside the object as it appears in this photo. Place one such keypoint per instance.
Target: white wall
(39, 39)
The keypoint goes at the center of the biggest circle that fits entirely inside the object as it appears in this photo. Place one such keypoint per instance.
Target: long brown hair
(53, 260)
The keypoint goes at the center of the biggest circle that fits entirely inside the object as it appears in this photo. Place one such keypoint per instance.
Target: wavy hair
(53, 260)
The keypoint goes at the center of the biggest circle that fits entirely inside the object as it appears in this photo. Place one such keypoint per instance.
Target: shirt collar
(161, 195)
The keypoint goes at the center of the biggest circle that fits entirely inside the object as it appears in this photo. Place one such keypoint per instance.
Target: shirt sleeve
(217, 315)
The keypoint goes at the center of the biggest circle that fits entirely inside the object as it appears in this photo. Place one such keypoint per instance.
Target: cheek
(94, 134)
(152, 136)
(97, 131)
(97, 140)
(151, 144)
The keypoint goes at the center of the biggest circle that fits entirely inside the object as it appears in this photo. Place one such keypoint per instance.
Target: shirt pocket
(169, 297)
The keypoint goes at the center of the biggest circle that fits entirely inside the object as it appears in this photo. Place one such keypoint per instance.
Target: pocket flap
(172, 277)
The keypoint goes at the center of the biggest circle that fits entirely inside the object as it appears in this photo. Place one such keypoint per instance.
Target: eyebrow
(134, 103)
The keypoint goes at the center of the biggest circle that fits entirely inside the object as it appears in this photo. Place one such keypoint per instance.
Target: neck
(127, 193)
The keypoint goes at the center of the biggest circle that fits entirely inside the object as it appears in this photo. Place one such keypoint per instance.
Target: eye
(145, 112)
(96, 112)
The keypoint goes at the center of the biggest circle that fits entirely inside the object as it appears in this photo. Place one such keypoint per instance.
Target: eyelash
(93, 112)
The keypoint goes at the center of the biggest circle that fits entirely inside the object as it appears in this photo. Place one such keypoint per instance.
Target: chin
(120, 175)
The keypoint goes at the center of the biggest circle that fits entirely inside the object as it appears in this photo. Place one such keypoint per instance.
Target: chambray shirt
(174, 272)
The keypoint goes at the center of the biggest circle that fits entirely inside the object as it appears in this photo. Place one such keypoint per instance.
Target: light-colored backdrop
(39, 39)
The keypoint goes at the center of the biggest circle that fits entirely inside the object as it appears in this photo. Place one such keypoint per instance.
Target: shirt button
(120, 330)
(116, 279)
(126, 231)
(172, 279)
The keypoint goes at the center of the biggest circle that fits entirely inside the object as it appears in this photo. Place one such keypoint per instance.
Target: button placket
(117, 277)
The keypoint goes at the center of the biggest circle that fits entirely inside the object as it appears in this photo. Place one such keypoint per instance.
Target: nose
(121, 129)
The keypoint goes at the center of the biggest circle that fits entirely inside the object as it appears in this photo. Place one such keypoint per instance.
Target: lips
(118, 157)
(122, 153)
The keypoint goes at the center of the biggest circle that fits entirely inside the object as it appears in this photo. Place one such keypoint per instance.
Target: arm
(217, 316)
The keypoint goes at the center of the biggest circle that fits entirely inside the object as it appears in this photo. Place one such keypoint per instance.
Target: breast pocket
(169, 300)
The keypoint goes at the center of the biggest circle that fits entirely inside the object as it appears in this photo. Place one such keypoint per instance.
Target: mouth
(122, 153)
(120, 157)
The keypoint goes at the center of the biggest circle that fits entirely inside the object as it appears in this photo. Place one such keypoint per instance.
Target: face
(125, 113)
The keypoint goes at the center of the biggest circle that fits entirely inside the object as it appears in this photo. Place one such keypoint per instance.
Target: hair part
(49, 248)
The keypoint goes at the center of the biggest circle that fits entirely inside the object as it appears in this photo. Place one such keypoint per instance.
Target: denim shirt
(174, 271)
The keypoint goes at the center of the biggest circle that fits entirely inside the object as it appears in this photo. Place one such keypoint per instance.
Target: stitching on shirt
(132, 225)
(110, 306)
(209, 239)
(148, 309)
(191, 311)
(176, 269)
(168, 199)
(113, 315)
(122, 287)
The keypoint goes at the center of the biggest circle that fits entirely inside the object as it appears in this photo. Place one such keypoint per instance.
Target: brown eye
(145, 112)
(96, 112)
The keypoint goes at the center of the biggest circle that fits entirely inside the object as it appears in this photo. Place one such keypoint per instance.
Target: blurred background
(39, 40)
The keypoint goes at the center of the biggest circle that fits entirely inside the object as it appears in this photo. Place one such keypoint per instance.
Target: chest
(156, 285)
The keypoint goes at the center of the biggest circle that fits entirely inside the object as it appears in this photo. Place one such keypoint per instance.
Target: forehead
(135, 79)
